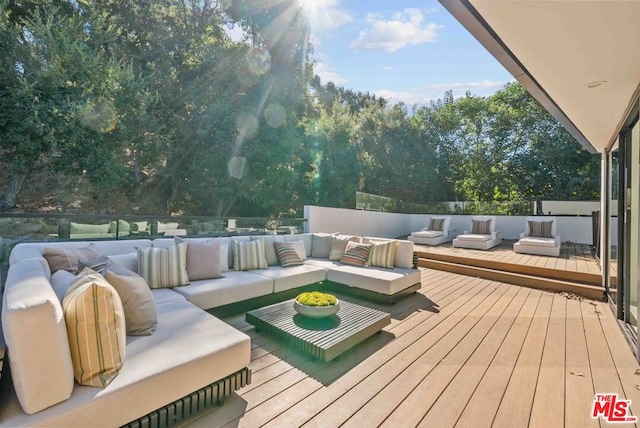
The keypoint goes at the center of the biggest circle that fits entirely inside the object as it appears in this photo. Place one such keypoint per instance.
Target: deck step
(556, 274)
(590, 291)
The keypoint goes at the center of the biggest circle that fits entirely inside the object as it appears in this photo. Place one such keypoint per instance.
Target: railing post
(64, 228)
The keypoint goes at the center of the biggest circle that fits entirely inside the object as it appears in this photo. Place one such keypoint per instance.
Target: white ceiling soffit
(557, 48)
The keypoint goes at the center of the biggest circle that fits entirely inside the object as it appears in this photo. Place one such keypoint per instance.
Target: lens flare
(259, 60)
(238, 167)
(275, 115)
(246, 125)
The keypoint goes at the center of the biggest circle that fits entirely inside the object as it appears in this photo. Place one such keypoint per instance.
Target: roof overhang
(558, 49)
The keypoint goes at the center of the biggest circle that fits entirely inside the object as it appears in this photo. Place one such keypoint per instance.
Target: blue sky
(405, 50)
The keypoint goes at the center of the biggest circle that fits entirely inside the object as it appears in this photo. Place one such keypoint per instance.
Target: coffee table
(323, 338)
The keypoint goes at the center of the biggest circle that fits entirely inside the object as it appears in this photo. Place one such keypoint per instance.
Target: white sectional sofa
(191, 360)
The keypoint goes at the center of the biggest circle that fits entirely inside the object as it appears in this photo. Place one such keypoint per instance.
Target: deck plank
(463, 351)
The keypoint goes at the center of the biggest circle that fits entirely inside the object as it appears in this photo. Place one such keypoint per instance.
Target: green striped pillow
(356, 254)
(96, 329)
(288, 254)
(164, 267)
(383, 254)
(249, 255)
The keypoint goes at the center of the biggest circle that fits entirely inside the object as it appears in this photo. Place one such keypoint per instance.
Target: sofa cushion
(249, 255)
(203, 259)
(128, 260)
(474, 237)
(356, 254)
(288, 254)
(97, 265)
(428, 233)
(36, 337)
(60, 281)
(164, 267)
(383, 254)
(165, 295)
(234, 287)
(321, 245)
(339, 245)
(95, 324)
(322, 263)
(69, 258)
(269, 249)
(379, 280)
(538, 242)
(36, 249)
(137, 300)
(305, 238)
(293, 277)
(157, 371)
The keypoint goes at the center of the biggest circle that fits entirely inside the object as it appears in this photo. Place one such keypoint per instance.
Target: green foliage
(153, 99)
(316, 298)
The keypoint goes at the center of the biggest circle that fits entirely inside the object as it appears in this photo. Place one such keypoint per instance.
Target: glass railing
(16, 228)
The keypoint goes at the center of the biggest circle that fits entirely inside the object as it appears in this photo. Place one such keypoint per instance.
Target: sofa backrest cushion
(60, 281)
(36, 337)
(34, 249)
(128, 260)
(269, 249)
(304, 237)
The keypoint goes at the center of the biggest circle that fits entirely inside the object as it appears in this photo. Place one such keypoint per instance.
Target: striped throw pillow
(96, 329)
(540, 229)
(97, 265)
(249, 255)
(481, 227)
(288, 254)
(164, 267)
(356, 254)
(383, 254)
(436, 224)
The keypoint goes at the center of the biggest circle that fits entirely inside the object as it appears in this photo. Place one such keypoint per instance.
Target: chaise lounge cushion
(428, 233)
(234, 287)
(379, 280)
(474, 237)
(538, 242)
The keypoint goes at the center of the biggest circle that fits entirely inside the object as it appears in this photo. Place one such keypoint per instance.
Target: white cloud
(402, 29)
(327, 74)
(388, 68)
(424, 94)
(325, 15)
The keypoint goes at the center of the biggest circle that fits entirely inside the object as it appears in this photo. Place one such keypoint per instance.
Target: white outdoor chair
(432, 234)
(480, 237)
(539, 237)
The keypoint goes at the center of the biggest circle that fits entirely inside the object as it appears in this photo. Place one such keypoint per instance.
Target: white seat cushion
(474, 237)
(322, 263)
(428, 233)
(286, 278)
(233, 287)
(379, 280)
(538, 242)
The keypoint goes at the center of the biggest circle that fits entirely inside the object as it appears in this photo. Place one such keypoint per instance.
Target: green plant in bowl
(315, 304)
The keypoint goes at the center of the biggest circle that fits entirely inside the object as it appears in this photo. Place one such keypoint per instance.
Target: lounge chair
(438, 231)
(482, 235)
(539, 238)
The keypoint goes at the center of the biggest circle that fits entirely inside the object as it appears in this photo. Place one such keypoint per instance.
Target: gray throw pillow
(203, 259)
(321, 245)
(137, 300)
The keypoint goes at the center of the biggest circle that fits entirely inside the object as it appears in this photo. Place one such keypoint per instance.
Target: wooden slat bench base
(194, 403)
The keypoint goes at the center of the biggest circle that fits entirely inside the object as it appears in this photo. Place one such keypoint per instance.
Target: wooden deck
(463, 351)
